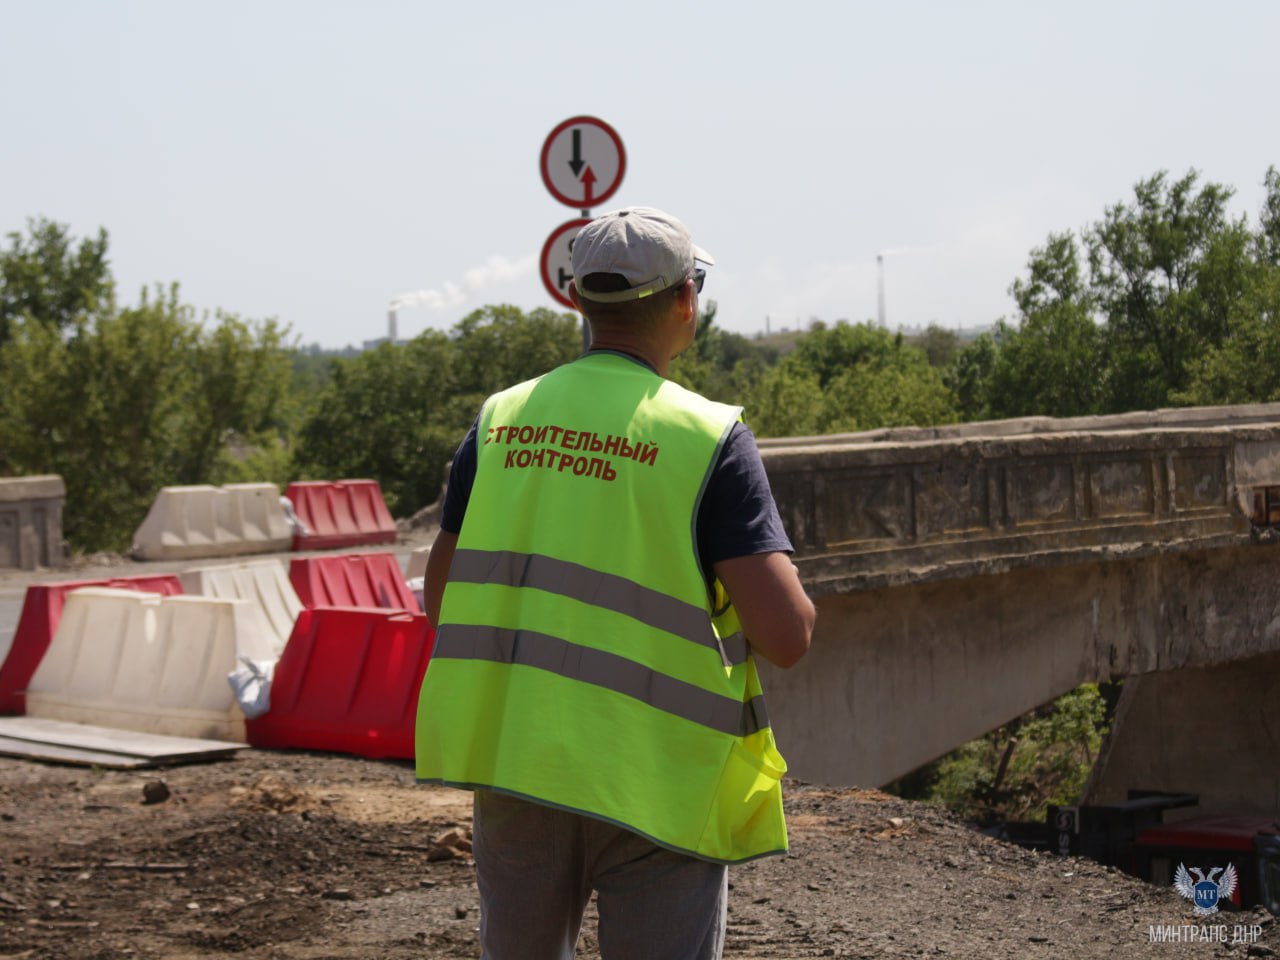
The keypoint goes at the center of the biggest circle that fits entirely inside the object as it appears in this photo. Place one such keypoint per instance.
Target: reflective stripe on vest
(603, 669)
(578, 582)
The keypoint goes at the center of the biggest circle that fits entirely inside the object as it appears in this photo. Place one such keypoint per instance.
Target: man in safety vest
(610, 558)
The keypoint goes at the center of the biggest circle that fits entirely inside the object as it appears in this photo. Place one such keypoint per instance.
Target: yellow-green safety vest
(580, 660)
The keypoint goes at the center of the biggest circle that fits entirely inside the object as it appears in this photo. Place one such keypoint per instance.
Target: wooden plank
(42, 738)
(31, 750)
(108, 739)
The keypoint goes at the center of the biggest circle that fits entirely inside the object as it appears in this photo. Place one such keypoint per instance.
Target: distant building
(392, 323)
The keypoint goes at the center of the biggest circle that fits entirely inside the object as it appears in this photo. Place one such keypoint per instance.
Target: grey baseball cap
(651, 249)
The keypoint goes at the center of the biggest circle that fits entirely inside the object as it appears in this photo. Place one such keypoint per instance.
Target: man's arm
(457, 494)
(438, 562)
(741, 540)
(777, 615)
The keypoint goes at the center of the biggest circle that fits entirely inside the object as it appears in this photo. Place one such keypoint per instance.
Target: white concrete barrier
(263, 583)
(139, 661)
(203, 521)
(418, 563)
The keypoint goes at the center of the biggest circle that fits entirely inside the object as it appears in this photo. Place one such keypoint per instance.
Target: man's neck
(650, 354)
(631, 354)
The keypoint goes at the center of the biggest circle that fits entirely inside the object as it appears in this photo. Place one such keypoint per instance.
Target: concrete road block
(202, 521)
(31, 521)
(139, 661)
(340, 513)
(262, 583)
(348, 682)
(41, 614)
(418, 563)
(352, 580)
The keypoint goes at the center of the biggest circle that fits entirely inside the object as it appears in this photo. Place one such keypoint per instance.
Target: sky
(316, 161)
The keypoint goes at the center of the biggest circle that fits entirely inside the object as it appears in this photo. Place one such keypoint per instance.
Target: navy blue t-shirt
(736, 518)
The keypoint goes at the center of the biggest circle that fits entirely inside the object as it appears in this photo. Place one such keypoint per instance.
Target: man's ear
(689, 297)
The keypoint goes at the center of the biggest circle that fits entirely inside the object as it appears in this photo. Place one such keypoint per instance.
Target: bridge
(967, 574)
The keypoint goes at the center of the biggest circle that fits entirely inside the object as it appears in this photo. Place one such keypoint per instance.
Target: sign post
(582, 164)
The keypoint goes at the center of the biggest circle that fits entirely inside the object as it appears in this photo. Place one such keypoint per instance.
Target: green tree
(496, 347)
(1245, 367)
(1176, 306)
(379, 417)
(101, 407)
(122, 400)
(238, 374)
(45, 277)
(860, 377)
(787, 402)
(828, 351)
(1164, 270)
(1268, 239)
(396, 414)
(125, 401)
(869, 396)
(721, 365)
(1051, 362)
(968, 376)
(939, 344)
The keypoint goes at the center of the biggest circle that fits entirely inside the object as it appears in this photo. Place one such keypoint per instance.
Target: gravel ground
(307, 856)
(293, 855)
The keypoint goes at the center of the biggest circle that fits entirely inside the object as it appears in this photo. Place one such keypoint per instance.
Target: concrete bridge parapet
(910, 505)
(965, 575)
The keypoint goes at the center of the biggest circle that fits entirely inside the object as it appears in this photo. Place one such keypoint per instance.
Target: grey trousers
(537, 866)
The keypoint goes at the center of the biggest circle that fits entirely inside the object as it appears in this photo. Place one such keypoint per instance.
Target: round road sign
(583, 162)
(556, 261)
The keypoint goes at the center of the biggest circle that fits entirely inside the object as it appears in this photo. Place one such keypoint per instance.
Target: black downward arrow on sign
(576, 163)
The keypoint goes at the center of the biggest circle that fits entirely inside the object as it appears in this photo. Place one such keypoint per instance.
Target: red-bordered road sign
(556, 262)
(583, 162)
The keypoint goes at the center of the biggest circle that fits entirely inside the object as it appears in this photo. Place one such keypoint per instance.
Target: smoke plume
(493, 272)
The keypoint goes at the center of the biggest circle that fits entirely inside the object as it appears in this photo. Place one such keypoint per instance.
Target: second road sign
(583, 162)
(556, 261)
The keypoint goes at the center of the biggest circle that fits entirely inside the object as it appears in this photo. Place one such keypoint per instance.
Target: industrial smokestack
(391, 325)
(880, 290)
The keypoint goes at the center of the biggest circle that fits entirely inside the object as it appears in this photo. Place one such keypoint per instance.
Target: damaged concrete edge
(824, 586)
(45, 487)
(1195, 418)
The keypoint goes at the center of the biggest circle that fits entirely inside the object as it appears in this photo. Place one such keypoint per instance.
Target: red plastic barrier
(41, 611)
(341, 513)
(352, 580)
(348, 682)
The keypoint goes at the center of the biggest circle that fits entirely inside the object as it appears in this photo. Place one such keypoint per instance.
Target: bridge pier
(1213, 731)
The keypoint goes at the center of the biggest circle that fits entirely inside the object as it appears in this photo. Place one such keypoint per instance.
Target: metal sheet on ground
(39, 738)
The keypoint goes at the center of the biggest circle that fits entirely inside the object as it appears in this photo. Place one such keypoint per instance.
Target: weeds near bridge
(1017, 770)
